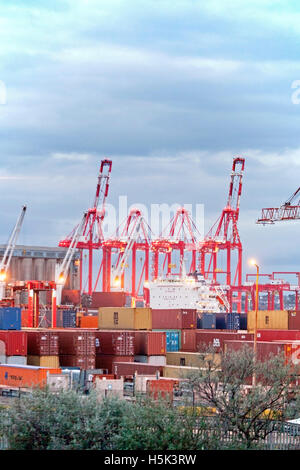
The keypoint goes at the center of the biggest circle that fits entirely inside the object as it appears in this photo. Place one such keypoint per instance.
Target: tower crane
(61, 270)
(289, 210)
(5, 262)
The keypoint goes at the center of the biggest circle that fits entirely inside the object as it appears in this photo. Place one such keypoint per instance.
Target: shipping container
(15, 342)
(243, 321)
(43, 361)
(106, 361)
(24, 318)
(18, 360)
(114, 342)
(24, 376)
(42, 342)
(173, 339)
(160, 389)
(10, 318)
(268, 319)
(179, 372)
(206, 320)
(154, 360)
(76, 341)
(69, 318)
(125, 318)
(108, 299)
(278, 335)
(150, 343)
(265, 349)
(173, 319)
(294, 319)
(89, 321)
(200, 340)
(83, 361)
(128, 369)
(191, 359)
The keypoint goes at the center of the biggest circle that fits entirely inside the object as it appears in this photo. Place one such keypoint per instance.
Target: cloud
(73, 156)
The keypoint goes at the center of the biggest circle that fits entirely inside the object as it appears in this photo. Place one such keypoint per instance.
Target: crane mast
(5, 262)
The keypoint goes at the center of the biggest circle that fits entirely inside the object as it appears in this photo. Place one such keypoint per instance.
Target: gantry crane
(92, 238)
(5, 262)
(287, 211)
(62, 270)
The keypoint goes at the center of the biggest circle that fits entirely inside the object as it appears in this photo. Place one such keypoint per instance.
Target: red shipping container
(25, 376)
(24, 318)
(114, 342)
(108, 299)
(150, 343)
(174, 319)
(294, 319)
(82, 361)
(199, 340)
(160, 388)
(76, 341)
(265, 349)
(15, 342)
(42, 343)
(128, 369)
(278, 335)
(106, 361)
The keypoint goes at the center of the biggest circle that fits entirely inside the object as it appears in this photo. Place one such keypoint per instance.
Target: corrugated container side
(264, 349)
(160, 389)
(82, 361)
(173, 339)
(206, 320)
(130, 368)
(89, 321)
(42, 342)
(188, 340)
(106, 361)
(155, 360)
(24, 376)
(18, 360)
(10, 318)
(277, 335)
(178, 372)
(294, 319)
(191, 359)
(215, 339)
(115, 342)
(150, 343)
(108, 299)
(43, 361)
(80, 342)
(189, 318)
(15, 342)
(125, 318)
(268, 319)
(173, 319)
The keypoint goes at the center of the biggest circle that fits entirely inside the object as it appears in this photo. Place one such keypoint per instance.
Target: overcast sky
(170, 90)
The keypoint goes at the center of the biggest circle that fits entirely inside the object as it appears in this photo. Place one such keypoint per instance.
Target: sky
(170, 91)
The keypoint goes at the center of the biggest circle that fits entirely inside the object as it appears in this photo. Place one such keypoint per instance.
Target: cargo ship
(192, 291)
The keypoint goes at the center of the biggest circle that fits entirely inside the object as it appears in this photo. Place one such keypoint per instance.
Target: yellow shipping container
(43, 361)
(123, 318)
(190, 359)
(268, 319)
(178, 372)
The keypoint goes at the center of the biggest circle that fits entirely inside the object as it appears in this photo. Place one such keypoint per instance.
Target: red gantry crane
(92, 234)
(290, 210)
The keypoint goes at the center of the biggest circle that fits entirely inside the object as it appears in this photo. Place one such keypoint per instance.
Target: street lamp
(254, 263)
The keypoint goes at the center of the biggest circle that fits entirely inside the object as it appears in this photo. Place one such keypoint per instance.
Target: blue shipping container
(243, 321)
(233, 321)
(221, 321)
(69, 318)
(206, 321)
(10, 318)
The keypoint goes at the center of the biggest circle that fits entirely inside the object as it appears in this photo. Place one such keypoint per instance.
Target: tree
(249, 413)
(63, 421)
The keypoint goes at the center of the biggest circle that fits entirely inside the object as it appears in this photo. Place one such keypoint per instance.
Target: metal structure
(62, 270)
(290, 210)
(224, 236)
(134, 237)
(181, 235)
(92, 234)
(5, 262)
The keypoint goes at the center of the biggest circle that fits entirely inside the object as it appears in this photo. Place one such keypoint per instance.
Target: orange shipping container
(25, 376)
(160, 388)
(89, 321)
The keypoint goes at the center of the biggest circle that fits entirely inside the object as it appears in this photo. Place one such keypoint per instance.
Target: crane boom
(287, 211)
(62, 269)
(5, 262)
